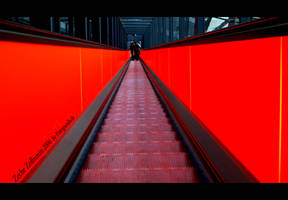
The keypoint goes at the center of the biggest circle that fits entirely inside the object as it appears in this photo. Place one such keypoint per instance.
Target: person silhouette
(135, 50)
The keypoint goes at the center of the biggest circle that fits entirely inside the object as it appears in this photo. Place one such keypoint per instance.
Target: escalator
(135, 128)
(137, 142)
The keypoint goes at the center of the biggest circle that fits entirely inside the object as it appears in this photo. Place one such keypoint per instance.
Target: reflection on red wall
(235, 89)
(44, 89)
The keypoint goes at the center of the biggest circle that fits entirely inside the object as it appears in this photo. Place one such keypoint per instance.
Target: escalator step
(135, 120)
(122, 128)
(138, 115)
(137, 160)
(135, 136)
(136, 147)
(176, 175)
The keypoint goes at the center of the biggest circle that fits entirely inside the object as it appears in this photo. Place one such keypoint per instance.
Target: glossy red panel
(91, 75)
(107, 67)
(44, 89)
(38, 96)
(235, 92)
(235, 100)
(179, 73)
(163, 65)
(284, 121)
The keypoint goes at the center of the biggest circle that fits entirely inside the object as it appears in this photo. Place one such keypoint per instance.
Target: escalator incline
(137, 142)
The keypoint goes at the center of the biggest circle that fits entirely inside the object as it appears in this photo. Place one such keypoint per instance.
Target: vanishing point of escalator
(137, 142)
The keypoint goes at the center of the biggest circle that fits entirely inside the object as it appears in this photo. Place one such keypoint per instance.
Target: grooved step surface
(137, 160)
(152, 127)
(133, 121)
(136, 142)
(136, 136)
(178, 175)
(137, 147)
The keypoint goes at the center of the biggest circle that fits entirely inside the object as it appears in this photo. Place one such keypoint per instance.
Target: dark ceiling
(136, 25)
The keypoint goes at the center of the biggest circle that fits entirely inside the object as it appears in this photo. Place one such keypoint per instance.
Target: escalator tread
(136, 142)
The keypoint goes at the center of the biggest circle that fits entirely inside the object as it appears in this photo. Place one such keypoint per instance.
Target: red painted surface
(234, 89)
(91, 74)
(42, 88)
(284, 140)
(136, 142)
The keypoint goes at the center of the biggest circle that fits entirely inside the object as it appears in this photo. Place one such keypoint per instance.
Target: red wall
(235, 88)
(45, 88)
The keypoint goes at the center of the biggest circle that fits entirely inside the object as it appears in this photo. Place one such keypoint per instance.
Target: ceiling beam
(136, 25)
